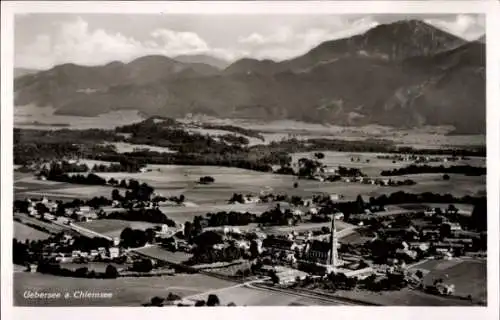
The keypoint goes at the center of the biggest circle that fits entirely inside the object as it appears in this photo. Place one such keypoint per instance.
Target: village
(293, 244)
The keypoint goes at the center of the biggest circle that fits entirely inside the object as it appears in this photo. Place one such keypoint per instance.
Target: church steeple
(333, 259)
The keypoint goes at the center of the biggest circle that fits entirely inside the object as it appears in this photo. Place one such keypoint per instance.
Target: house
(243, 244)
(313, 211)
(338, 216)
(49, 216)
(279, 246)
(218, 246)
(454, 226)
(360, 273)
(298, 212)
(116, 241)
(335, 197)
(114, 252)
(32, 267)
(423, 246)
(66, 237)
(75, 253)
(63, 220)
(409, 253)
(445, 289)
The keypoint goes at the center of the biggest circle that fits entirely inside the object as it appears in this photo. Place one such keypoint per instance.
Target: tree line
(416, 169)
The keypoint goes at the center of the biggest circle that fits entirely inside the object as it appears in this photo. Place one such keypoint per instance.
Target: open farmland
(175, 180)
(113, 227)
(405, 297)
(69, 192)
(157, 252)
(125, 291)
(375, 165)
(25, 115)
(468, 276)
(23, 232)
(243, 296)
(52, 227)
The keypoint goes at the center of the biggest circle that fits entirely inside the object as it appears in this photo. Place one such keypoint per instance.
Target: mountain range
(404, 74)
(19, 72)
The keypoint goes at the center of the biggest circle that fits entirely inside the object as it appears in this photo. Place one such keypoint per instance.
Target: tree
(115, 195)
(360, 204)
(173, 297)
(188, 229)
(274, 277)
(479, 215)
(213, 300)
(181, 198)
(157, 301)
(111, 272)
(206, 180)
(199, 303)
(41, 208)
(254, 250)
(446, 177)
(319, 155)
(231, 304)
(295, 185)
(419, 274)
(452, 209)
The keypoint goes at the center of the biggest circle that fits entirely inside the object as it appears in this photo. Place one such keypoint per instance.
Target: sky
(44, 40)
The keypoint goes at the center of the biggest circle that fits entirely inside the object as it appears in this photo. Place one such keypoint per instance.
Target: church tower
(333, 259)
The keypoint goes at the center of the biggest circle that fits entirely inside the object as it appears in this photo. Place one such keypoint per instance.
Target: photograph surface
(249, 160)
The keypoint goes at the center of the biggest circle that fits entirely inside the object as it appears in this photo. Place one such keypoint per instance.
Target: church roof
(320, 246)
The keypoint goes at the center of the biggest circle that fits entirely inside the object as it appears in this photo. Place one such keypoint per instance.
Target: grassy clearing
(126, 291)
(405, 297)
(114, 227)
(162, 254)
(243, 296)
(23, 232)
(469, 277)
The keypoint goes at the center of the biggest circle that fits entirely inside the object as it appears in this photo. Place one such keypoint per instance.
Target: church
(324, 253)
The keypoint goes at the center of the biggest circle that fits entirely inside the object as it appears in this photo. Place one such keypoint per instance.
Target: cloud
(469, 27)
(75, 42)
(286, 43)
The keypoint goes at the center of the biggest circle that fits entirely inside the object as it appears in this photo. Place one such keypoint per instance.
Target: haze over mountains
(403, 74)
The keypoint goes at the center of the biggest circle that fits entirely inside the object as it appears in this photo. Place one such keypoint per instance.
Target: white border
(279, 7)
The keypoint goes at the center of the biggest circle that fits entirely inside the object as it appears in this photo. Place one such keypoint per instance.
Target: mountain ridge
(402, 74)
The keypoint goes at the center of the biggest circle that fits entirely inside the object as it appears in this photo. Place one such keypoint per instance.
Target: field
(114, 227)
(175, 180)
(54, 228)
(29, 113)
(23, 232)
(125, 291)
(162, 254)
(122, 147)
(375, 165)
(243, 296)
(405, 297)
(468, 276)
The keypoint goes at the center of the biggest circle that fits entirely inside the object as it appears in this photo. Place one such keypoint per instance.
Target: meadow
(23, 232)
(243, 296)
(125, 291)
(452, 272)
(114, 227)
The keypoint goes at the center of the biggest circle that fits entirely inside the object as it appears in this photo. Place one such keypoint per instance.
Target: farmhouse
(279, 246)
